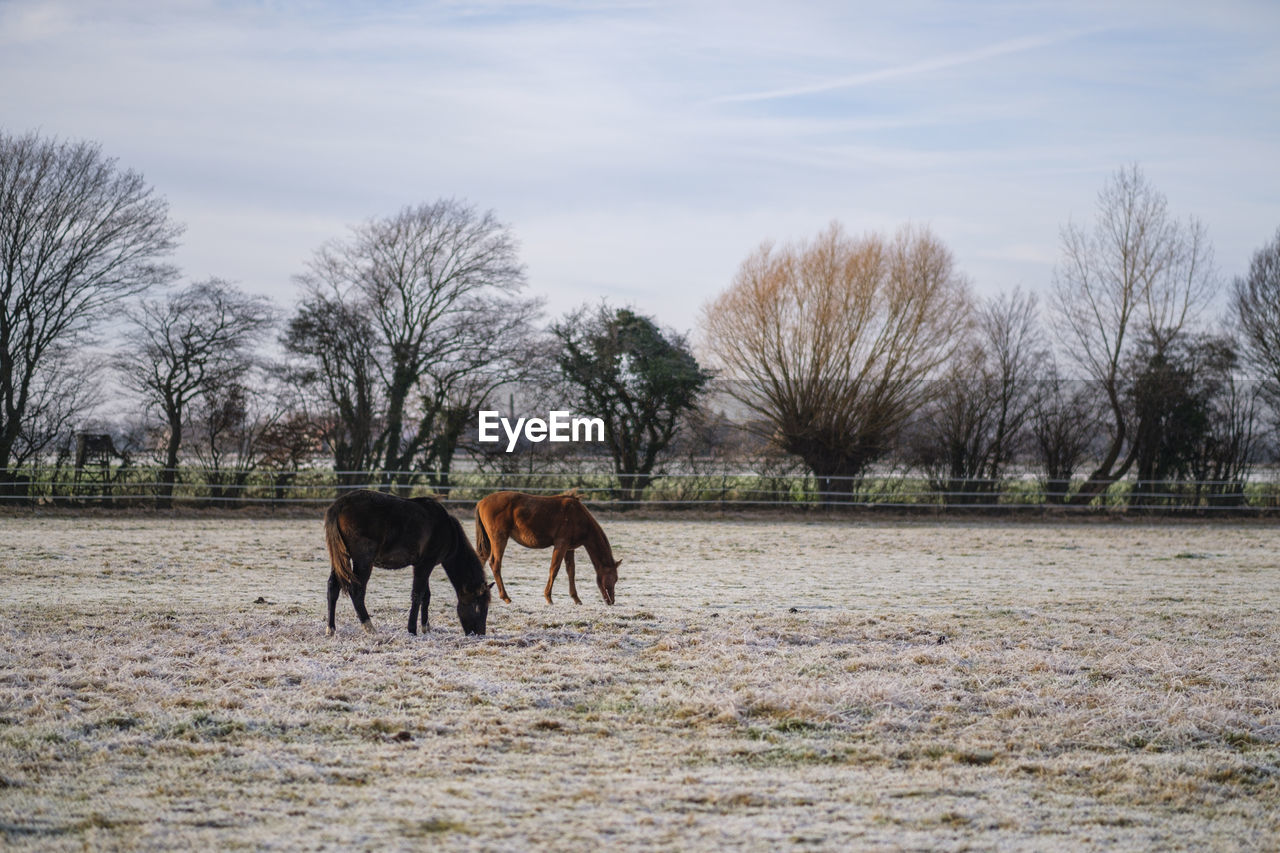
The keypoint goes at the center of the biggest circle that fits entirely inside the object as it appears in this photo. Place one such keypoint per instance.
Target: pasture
(917, 685)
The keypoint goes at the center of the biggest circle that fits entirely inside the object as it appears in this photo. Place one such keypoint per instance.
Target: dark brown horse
(559, 521)
(364, 529)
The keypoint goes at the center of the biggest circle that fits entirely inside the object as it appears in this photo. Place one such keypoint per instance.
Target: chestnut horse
(364, 529)
(558, 521)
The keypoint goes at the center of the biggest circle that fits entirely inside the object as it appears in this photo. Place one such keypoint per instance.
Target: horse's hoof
(328, 632)
(507, 600)
(577, 600)
(368, 627)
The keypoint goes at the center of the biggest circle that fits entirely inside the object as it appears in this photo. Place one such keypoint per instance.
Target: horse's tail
(339, 557)
(482, 540)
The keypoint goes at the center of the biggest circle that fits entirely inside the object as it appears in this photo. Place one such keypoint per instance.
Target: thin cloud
(926, 66)
(273, 127)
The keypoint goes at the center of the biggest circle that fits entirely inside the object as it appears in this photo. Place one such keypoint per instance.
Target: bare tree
(1138, 275)
(970, 432)
(1065, 419)
(78, 235)
(67, 386)
(293, 438)
(832, 342)
(433, 284)
(1016, 356)
(197, 341)
(236, 427)
(495, 346)
(532, 460)
(1255, 304)
(337, 349)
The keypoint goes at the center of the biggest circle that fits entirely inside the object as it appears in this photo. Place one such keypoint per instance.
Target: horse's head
(607, 579)
(473, 609)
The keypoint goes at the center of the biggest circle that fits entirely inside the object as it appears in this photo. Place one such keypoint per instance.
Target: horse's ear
(616, 563)
(490, 584)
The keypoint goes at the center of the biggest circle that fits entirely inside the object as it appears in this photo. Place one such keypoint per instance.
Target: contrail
(939, 63)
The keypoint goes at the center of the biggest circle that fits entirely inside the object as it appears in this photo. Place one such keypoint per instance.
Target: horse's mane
(592, 521)
(575, 493)
(462, 551)
(461, 544)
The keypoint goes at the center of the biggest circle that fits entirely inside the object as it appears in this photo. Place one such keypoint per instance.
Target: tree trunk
(838, 479)
(168, 476)
(1103, 476)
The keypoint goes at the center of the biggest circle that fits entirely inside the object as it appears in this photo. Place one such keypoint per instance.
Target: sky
(639, 151)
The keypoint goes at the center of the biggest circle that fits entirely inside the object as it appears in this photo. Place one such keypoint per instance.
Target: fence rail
(149, 487)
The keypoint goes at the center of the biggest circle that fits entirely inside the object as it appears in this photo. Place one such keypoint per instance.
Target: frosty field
(166, 683)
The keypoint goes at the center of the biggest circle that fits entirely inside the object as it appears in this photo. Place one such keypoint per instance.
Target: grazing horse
(558, 521)
(364, 529)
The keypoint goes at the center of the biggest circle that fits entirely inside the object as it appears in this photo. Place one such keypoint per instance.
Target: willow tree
(832, 342)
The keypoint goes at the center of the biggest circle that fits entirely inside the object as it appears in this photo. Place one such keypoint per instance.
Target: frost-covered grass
(166, 682)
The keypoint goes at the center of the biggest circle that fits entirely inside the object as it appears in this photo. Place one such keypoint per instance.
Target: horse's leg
(362, 573)
(415, 599)
(426, 598)
(426, 595)
(556, 556)
(499, 544)
(568, 570)
(335, 589)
